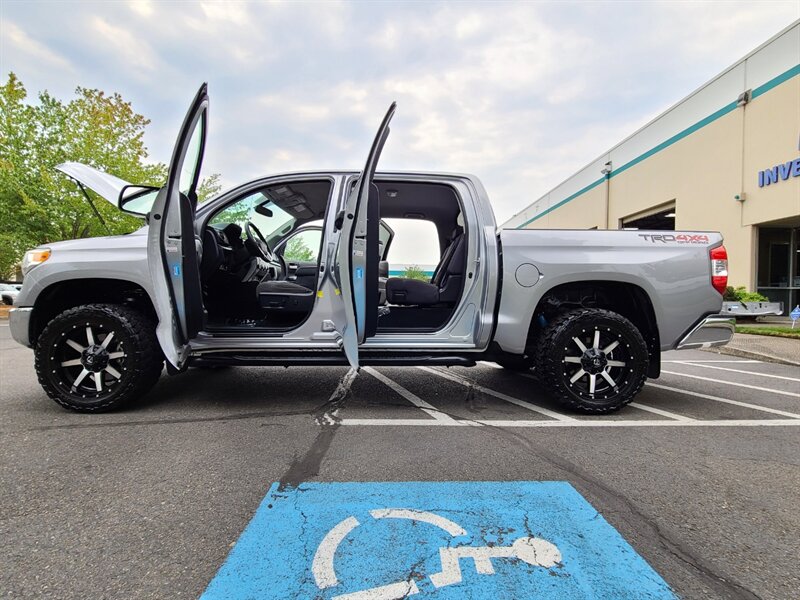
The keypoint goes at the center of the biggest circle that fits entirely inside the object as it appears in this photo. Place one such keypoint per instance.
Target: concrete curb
(752, 355)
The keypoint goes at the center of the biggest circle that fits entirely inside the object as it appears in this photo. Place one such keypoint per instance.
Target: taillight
(719, 268)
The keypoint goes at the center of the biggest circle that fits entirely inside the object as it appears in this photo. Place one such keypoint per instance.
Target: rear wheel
(592, 360)
(97, 357)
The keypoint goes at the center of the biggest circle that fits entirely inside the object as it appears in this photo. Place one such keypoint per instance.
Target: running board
(336, 359)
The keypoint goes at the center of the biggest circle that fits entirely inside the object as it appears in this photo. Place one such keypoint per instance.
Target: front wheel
(592, 360)
(97, 357)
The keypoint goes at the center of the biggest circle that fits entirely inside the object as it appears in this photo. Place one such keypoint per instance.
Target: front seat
(445, 285)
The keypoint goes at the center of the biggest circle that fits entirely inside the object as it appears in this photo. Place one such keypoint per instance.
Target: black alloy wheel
(593, 360)
(97, 357)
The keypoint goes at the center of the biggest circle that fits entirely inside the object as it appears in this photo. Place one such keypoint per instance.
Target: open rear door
(359, 251)
(171, 247)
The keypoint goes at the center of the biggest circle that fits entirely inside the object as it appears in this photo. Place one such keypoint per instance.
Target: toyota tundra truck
(214, 283)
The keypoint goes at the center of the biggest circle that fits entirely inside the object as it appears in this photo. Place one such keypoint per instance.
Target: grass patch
(775, 331)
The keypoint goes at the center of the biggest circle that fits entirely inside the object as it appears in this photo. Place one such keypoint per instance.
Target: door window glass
(303, 247)
(384, 237)
(192, 157)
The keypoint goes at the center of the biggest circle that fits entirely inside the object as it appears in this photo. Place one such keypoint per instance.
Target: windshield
(271, 219)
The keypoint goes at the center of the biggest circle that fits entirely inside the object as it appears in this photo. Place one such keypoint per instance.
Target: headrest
(460, 220)
(233, 233)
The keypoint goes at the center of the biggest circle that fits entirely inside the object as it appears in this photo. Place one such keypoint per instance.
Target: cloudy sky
(520, 94)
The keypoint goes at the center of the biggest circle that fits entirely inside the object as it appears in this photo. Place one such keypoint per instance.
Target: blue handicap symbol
(381, 541)
(795, 314)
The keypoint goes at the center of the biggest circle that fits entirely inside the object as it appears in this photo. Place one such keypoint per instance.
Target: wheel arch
(625, 298)
(62, 295)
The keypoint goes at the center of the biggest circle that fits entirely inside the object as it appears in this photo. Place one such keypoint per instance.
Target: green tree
(38, 205)
(414, 272)
(297, 250)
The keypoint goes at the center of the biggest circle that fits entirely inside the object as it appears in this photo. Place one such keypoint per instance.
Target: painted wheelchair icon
(532, 550)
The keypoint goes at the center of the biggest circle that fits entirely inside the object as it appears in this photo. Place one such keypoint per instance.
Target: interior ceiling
(307, 200)
(431, 201)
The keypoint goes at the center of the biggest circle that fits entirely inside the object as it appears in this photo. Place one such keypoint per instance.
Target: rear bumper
(19, 320)
(716, 330)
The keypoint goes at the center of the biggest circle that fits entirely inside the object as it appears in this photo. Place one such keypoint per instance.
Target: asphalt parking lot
(701, 475)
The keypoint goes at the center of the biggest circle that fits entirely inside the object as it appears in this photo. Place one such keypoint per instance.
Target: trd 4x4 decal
(680, 238)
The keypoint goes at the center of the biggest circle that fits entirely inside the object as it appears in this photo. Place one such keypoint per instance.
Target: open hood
(132, 199)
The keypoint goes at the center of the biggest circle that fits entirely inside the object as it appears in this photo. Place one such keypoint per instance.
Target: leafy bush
(414, 272)
(740, 294)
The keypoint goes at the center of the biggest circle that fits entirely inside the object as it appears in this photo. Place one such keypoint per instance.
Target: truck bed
(672, 267)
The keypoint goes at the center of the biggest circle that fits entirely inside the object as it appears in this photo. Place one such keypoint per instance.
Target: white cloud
(129, 48)
(21, 41)
(143, 8)
(235, 13)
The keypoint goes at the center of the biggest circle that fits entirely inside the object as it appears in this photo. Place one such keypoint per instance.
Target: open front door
(359, 251)
(171, 246)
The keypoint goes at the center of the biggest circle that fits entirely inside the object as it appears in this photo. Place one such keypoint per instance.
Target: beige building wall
(772, 136)
(584, 212)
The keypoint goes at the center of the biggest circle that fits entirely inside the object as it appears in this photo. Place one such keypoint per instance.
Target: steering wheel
(257, 245)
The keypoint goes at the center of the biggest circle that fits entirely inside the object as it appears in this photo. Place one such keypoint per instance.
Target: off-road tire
(134, 338)
(557, 344)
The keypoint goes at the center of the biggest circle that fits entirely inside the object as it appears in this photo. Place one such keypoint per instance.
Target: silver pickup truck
(218, 283)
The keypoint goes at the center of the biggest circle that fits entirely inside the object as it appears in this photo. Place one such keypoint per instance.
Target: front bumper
(716, 330)
(19, 320)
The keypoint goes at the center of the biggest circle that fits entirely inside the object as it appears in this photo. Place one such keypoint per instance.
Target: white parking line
(489, 364)
(659, 423)
(413, 398)
(411, 422)
(658, 411)
(744, 385)
(774, 411)
(692, 364)
(575, 423)
(500, 395)
(712, 361)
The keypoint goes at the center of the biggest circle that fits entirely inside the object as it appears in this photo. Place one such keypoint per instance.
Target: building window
(660, 219)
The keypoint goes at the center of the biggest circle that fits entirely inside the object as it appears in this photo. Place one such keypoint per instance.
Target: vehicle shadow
(240, 389)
